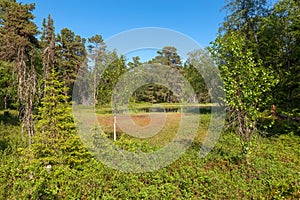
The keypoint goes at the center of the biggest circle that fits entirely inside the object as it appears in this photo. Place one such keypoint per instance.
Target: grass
(163, 137)
(272, 171)
(142, 119)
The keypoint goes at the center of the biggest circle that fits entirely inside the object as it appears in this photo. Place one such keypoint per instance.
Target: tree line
(257, 52)
(28, 57)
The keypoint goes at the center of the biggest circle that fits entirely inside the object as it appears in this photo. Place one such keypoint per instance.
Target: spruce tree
(48, 46)
(55, 141)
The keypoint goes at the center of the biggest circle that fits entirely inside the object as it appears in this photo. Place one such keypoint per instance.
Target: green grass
(168, 132)
(272, 172)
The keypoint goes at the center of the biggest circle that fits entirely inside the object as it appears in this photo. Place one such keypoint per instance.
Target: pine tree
(168, 56)
(71, 55)
(97, 53)
(18, 45)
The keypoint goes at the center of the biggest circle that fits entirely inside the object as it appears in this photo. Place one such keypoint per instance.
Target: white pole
(115, 127)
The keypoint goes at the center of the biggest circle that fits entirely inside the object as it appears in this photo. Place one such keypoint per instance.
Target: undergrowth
(271, 173)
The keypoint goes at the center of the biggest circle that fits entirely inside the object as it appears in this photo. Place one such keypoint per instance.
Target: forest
(257, 54)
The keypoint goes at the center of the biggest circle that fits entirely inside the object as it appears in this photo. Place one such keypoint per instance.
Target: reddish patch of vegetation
(106, 121)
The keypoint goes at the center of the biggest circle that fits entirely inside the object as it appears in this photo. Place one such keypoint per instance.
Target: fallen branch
(283, 116)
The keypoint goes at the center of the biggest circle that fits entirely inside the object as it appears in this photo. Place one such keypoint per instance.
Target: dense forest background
(257, 53)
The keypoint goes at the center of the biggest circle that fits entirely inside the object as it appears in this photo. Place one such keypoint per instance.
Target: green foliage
(55, 141)
(168, 56)
(201, 72)
(246, 82)
(70, 56)
(279, 48)
(114, 67)
(18, 45)
(272, 174)
(8, 93)
(129, 144)
(48, 47)
(158, 93)
(154, 93)
(257, 49)
(16, 29)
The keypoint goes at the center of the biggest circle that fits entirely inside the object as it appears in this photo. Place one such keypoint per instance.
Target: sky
(197, 19)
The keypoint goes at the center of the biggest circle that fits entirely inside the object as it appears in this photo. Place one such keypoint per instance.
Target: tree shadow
(8, 118)
(279, 127)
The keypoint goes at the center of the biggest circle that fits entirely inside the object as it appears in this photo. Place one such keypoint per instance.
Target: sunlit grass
(163, 137)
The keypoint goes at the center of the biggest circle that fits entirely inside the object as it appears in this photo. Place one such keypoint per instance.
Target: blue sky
(198, 19)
